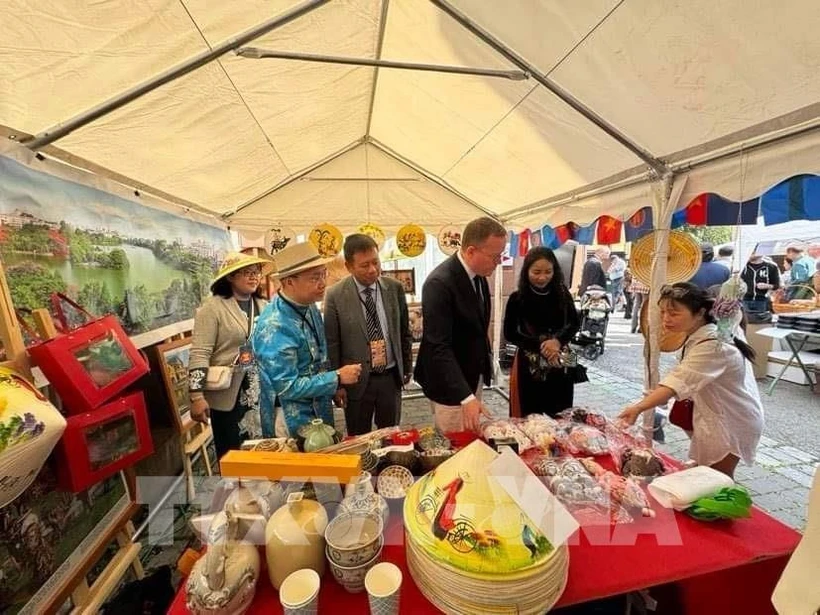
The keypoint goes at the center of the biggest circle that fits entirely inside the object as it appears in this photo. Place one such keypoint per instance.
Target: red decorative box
(91, 364)
(97, 444)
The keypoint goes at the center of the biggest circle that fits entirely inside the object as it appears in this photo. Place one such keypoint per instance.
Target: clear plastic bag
(506, 428)
(623, 493)
(593, 418)
(541, 430)
(569, 481)
(633, 455)
(579, 439)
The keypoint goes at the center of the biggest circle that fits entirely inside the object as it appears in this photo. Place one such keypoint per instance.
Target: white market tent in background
(580, 108)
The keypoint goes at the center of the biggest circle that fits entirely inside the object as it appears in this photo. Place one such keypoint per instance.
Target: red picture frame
(98, 444)
(91, 364)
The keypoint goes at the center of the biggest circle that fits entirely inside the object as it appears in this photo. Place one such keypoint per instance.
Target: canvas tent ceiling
(272, 141)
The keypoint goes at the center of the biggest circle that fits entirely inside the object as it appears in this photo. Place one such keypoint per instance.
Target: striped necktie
(374, 327)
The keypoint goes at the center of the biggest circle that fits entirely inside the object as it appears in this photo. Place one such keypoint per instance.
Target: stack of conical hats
(470, 547)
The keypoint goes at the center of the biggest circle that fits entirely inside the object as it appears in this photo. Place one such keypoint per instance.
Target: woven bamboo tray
(681, 263)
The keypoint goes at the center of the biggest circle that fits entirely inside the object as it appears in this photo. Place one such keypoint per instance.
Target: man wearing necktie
(366, 321)
(454, 360)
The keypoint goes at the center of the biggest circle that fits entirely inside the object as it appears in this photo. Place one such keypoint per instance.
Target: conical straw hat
(682, 261)
(462, 517)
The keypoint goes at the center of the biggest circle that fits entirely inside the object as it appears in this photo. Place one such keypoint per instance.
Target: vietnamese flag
(696, 210)
(564, 233)
(609, 230)
(524, 242)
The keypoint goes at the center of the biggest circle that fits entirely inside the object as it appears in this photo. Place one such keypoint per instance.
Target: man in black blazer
(454, 360)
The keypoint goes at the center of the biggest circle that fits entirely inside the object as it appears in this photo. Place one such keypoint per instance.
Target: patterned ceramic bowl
(434, 440)
(394, 481)
(407, 459)
(352, 577)
(353, 538)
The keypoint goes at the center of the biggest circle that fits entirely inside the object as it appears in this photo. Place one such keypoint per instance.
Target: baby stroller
(595, 309)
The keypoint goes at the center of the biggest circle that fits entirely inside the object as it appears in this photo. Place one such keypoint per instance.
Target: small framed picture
(173, 360)
(98, 444)
(416, 321)
(407, 278)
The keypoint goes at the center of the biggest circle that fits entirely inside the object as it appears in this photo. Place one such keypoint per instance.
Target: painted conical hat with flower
(461, 516)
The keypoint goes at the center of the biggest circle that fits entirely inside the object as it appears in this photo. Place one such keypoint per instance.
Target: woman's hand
(200, 410)
(551, 350)
(629, 415)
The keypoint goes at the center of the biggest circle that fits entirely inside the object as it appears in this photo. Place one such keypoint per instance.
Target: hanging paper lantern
(449, 239)
(374, 232)
(327, 239)
(278, 238)
(411, 240)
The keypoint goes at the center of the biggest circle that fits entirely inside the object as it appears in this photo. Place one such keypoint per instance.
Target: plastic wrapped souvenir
(641, 463)
(541, 430)
(569, 481)
(584, 440)
(623, 492)
(502, 429)
(586, 417)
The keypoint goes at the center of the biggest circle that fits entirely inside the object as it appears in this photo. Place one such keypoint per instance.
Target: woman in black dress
(540, 319)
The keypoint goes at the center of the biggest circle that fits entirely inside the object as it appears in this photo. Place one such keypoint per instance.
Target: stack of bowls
(354, 546)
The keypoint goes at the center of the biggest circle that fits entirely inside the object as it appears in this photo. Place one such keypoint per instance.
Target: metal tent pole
(78, 121)
(256, 53)
(654, 163)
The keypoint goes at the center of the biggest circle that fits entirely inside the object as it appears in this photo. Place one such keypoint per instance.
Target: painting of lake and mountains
(110, 254)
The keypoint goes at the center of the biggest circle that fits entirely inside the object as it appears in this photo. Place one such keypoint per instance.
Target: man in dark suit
(454, 360)
(366, 322)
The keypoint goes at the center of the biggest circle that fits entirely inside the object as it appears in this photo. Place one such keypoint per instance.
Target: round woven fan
(681, 264)
(670, 341)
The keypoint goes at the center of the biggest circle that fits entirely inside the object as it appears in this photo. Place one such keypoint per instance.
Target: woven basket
(681, 263)
(798, 305)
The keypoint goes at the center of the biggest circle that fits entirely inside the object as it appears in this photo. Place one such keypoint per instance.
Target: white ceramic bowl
(352, 577)
(353, 539)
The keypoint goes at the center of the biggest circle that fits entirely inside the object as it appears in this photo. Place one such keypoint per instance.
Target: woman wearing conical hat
(222, 328)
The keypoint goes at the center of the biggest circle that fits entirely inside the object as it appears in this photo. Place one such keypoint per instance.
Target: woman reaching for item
(727, 416)
(540, 319)
(220, 340)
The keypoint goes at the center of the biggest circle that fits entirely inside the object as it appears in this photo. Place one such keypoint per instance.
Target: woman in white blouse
(716, 376)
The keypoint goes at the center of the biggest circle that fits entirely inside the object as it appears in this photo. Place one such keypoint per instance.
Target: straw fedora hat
(234, 261)
(297, 258)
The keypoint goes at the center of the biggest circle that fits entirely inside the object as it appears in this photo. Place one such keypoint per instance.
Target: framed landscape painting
(173, 359)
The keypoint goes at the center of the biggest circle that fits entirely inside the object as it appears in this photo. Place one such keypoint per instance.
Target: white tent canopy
(620, 92)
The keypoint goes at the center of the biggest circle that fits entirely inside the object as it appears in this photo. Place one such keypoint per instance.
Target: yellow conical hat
(461, 516)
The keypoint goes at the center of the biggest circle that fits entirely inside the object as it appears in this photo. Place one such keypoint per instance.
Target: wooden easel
(88, 599)
(194, 437)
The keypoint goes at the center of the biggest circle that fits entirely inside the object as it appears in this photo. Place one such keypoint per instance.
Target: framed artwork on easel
(173, 359)
(407, 278)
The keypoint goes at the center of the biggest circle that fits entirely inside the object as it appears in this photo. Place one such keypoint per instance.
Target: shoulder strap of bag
(708, 339)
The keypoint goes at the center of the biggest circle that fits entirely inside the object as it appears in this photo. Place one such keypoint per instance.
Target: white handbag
(219, 377)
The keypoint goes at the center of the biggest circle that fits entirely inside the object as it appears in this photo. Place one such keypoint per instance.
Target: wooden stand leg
(191, 444)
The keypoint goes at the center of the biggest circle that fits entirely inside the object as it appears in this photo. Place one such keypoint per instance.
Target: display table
(796, 340)
(729, 566)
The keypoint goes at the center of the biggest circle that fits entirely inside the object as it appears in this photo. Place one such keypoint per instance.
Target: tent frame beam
(257, 54)
(658, 166)
(175, 72)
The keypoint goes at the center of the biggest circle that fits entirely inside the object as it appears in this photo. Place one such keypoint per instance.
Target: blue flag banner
(797, 198)
(549, 238)
(638, 225)
(585, 235)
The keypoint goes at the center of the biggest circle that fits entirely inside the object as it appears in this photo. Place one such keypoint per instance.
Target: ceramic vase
(294, 538)
(360, 498)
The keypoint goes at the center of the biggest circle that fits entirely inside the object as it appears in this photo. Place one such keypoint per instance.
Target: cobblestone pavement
(786, 459)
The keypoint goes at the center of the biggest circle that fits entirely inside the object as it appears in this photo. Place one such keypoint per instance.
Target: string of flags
(795, 198)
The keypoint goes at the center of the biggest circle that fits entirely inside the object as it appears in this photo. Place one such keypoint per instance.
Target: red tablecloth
(707, 559)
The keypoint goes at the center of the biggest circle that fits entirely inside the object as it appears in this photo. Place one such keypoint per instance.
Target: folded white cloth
(681, 489)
